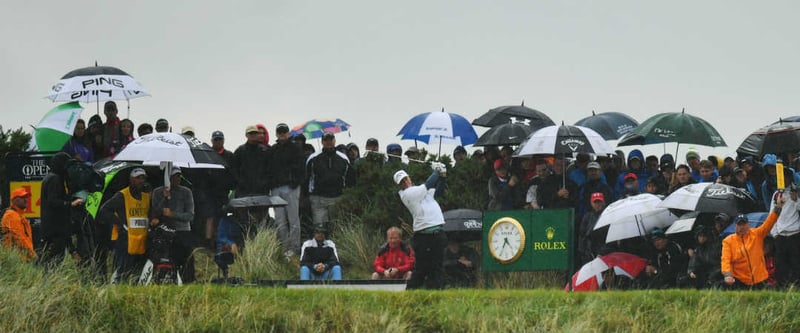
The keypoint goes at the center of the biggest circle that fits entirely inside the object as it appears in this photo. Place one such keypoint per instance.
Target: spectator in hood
(56, 201)
(770, 184)
(636, 167)
(394, 153)
(79, 145)
(666, 171)
(263, 134)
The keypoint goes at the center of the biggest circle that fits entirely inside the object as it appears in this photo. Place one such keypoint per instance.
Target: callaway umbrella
(562, 140)
(777, 138)
(57, 126)
(510, 113)
(96, 84)
(465, 224)
(678, 127)
(709, 198)
(505, 134)
(590, 275)
(441, 127)
(610, 125)
(634, 216)
(316, 128)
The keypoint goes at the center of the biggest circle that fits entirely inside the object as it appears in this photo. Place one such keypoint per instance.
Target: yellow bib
(136, 214)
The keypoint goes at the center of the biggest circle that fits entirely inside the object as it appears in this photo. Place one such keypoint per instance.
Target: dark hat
(657, 233)
(740, 219)
(702, 230)
(372, 142)
(667, 161)
(737, 170)
(94, 121)
(722, 217)
(161, 123)
(459, 150)
(328, 136)
(393, 147)
(281, 128)
(747, 159)
(477, 152)
(217, 135)
(320, 229)
(341, 148)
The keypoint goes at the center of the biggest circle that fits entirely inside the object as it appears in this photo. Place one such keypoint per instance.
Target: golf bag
(160, 268)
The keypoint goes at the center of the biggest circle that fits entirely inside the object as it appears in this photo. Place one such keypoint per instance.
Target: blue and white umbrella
(564, 140)
(439, 127)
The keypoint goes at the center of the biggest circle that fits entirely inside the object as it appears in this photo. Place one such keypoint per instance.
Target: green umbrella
(677, 127)
(57, 125)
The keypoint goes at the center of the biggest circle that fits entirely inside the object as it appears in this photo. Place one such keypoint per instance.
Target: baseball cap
(399, 176)
(593, 165)
(250, 129)
(740, 219)
(281, 128)
(188, 130)
(20, 192)
(175, 171)
(138, 172)
(692, 155)
(598, 196)
(412, 149)
(372, 141)
(392, 147)
(498, 164)
(217, 135)
(328, 136)
(320, 229)
(631, 176)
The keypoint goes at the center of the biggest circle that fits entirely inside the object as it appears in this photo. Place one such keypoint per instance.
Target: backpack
(82, 177)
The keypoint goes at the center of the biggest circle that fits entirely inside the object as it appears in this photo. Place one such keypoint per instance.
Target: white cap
(138, 172)
(399, 176)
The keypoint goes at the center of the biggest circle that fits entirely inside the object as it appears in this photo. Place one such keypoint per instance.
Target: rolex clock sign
(528, 240)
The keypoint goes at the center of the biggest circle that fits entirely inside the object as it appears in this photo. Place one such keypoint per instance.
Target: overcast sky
(224, 65)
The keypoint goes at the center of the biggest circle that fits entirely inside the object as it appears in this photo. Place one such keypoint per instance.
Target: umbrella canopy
(94, 84)
(182, 150)
(466, 224)
(678, 127)
(57, 126)
(755, 220)
(682, 225)
(564, 139)
(509, 113)
(788, 119)
(634, 216)
(441, 127)
(590, 276)
(505, 134)
(316, 128)
(709, 198)
(610, 125)
(777, 138)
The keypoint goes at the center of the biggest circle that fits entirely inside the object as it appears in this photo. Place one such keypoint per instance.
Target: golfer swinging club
(429, 239)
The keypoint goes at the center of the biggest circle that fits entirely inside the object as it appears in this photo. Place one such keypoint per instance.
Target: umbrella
(755, 219)
(678, 127)
(610, 125)
(467, 224)
(590, 276)
(777, 138)
(182, 150)
(315, 128)
(95, 84)
(442, 127)
(505, 134)
(504, 114)
(682, 225)
(634, 216)
(709, 198)
(788, 119)
(57, 126)
(564, 139)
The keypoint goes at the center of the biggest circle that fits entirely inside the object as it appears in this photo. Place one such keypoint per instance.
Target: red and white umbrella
(590, 276)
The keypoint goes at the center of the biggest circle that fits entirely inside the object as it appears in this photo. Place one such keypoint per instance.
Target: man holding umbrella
(429, 239)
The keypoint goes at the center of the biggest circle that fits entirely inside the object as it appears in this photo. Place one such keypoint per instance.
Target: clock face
(506, 240)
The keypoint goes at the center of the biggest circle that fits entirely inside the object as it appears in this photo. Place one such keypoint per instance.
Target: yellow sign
(34, 209)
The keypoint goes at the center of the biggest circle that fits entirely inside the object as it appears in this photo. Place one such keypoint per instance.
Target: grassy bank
(60, 302)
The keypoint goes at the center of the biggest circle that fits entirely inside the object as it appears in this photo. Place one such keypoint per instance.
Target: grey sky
(224, 65)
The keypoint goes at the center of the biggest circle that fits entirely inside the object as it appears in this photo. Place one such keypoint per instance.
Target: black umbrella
(505, 134)
(780, 137)
(504, 114)
(788, 119)
(710, 198)
(610, 125)
(465, 224)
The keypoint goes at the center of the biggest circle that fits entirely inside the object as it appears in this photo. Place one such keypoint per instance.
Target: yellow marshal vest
(136, 215)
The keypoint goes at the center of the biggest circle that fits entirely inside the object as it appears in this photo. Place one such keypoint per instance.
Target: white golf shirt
(789, 221)
(420, 202)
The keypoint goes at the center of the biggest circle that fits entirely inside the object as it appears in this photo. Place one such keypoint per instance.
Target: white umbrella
(96, 84)
(634, 216)
(681, 225)
(709, 198)
(563, 140)
(57, 126)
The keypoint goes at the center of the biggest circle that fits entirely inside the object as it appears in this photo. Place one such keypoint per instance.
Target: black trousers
(428, 257)
(787, 259)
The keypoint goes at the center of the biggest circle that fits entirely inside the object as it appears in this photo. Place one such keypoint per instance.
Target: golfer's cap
(20, 193)
(175, 171)
(722, 217)
(399, 176)
(328, 136)
(250, 129)
(217, 135)
(282, 128)
(372, 142)
(740, 219)
(138, 172)
(593, 165)
(598, 196)
(631, 176)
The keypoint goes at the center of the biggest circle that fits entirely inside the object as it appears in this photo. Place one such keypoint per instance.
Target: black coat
(250, 168)
(327, 172)
(287, 166)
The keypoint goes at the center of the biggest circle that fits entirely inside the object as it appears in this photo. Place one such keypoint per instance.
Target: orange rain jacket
(743, 256)
(16, 232)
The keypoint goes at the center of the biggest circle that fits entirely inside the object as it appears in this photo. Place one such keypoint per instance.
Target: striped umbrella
(57, 126)
(315, 128)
